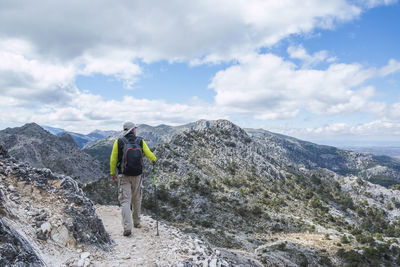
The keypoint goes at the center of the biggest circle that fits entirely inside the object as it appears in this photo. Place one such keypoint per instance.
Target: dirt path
(143, 247)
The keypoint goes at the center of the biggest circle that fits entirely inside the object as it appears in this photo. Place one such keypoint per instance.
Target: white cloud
(83, 38)
(115, 63)
(86, 112)
(171, 30)
(377, 131)
(395, 111)
(392, 67)
(44, 47)
(26, 78)
(298, 52)
(268, 87)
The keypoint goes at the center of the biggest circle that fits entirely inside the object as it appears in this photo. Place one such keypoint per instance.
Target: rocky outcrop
(15, 250)
(290, 254)
(32, 144)
(41, 211)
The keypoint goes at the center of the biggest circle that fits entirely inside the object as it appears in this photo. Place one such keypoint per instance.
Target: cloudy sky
(323, 71)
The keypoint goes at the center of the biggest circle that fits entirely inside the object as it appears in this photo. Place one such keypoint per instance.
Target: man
(127, 156)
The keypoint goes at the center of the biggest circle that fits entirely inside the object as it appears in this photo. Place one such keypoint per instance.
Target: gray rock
(82, 225)
(16, 250)
(3, 152)
(45, 227)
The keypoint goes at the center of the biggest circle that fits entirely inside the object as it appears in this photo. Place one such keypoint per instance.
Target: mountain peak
(33, 144)
(28, 129)
(214, 124)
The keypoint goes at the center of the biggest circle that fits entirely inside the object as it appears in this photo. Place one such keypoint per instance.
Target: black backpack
(132, 158)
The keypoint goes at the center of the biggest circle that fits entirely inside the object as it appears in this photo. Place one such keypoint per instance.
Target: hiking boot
(127, 232)
(137, 225)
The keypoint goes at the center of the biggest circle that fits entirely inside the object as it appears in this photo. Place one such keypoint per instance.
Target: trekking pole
(155, 195)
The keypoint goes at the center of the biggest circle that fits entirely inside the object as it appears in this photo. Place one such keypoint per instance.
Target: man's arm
(114, 160)
(148, 153)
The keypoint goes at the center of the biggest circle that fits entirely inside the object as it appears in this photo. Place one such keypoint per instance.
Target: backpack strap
(139, 141)
(124, 140)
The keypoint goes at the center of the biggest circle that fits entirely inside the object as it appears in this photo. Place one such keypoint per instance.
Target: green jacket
(117, 150)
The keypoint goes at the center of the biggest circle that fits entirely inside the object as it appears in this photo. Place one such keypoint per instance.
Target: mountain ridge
(81, 140)
(33, 144)
(284, 149)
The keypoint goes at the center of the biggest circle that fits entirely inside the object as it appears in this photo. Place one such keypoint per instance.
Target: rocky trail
(144, 248)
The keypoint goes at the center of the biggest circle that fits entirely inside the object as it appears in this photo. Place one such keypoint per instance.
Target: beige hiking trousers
(130, 194)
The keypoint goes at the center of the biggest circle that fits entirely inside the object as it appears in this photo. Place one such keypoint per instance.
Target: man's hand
(114, 178)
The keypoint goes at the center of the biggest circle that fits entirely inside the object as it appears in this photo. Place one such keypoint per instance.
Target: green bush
(344, 239)
(364, 239)
(281, 246)
(206, 224)
(162, 193)
(256, 210)
(315, 180)
(230, 144)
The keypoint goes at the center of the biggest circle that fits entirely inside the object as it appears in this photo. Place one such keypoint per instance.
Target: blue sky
(327, 72)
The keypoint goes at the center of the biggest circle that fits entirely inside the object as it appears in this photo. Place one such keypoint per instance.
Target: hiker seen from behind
(127, 160)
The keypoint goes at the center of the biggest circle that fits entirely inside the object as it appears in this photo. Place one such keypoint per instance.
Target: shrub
(174, 201)
(344, 239)
(231, 168)
(162, 193)
(353, 258)
(347, 202)
(206, 224)
(315, 180)
(395, 187)
(363, 239)
(256, 210)
(230, 144)
(281, 246)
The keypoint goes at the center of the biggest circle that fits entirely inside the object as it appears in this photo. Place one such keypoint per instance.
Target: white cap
(128, 127)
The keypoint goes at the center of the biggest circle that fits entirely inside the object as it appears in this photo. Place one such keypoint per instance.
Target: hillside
(291, 151)
(46, 220)
(41, 149)
(230, 188)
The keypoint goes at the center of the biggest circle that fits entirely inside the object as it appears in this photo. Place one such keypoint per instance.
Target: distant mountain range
(81, 140)
(377, 150)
